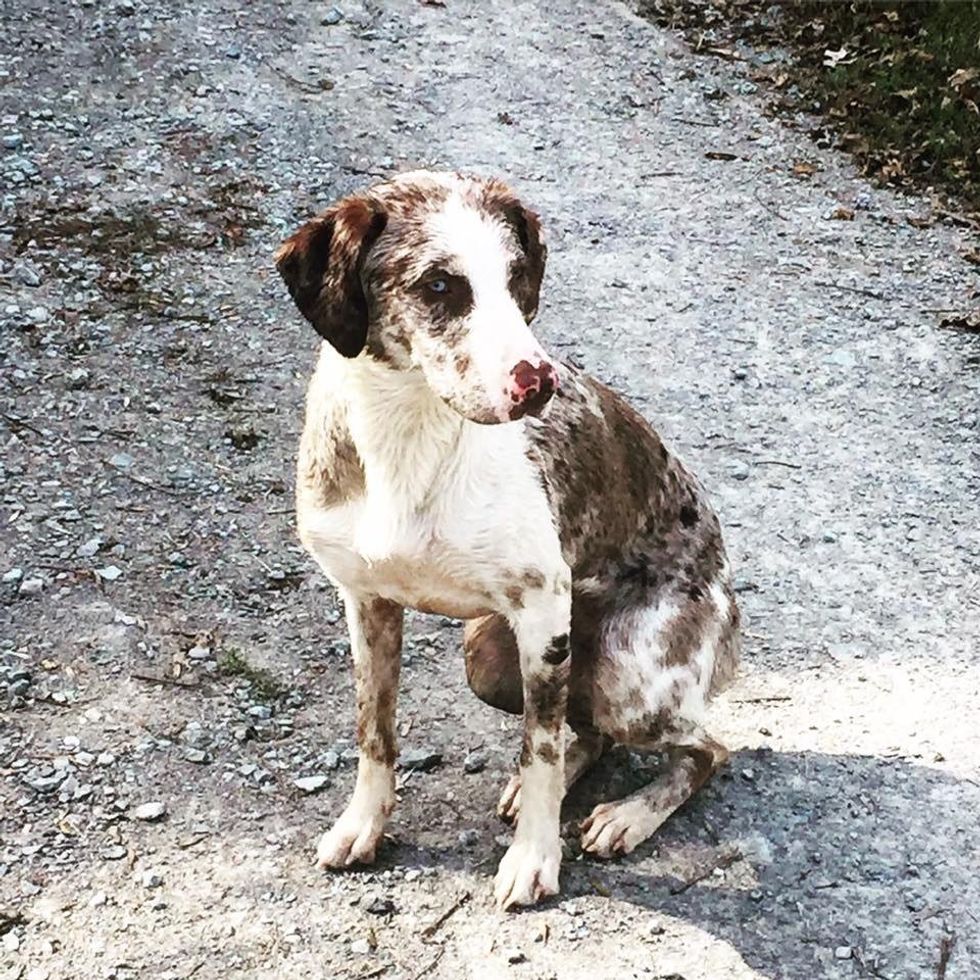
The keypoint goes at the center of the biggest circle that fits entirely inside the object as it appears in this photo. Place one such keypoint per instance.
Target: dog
(450, 465)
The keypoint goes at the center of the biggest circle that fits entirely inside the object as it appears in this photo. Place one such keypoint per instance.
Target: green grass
(904, 99)
(232, 663)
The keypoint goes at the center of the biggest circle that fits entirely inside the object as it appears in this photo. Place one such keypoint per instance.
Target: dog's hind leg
(693, 756)
(581, 753)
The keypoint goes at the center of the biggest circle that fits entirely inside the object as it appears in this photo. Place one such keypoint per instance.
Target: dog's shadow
(827, 865)
(835, 859)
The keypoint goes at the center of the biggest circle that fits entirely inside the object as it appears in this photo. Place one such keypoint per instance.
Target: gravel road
(171, 664)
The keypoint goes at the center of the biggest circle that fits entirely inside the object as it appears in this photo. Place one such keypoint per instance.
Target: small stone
(841, 358)
(748, 774)
(26, 275)
(842, 953)
(31, 586)
(380, 906)
(151, 879)
(198, 756)
(19, 688)
(262, 711)
(331, 17)
(330, 760)
(79, 378)
(115, 852)
(12, 141)
(740, 470)
(475, 762)
(199, 653)
(469, 837)
(90, 548)
(110, 573)
(311, 784)
(105, 758)
(14, 575)
(11, 942)
(829, 537)
(98, 900)
(233, 51)
(422, 760)
(151, 811)
(515, 956)
(361, 947)
(122, 461)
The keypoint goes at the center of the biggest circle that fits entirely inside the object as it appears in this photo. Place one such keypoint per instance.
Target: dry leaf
(803, 169)
(969, 321)
(915, 222)
(842, 214)
(720, 155)
(832, 59)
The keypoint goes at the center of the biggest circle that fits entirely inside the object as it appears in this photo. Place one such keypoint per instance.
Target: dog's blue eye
(439, 286)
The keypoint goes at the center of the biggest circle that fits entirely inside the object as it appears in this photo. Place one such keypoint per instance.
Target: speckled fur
(584, 555)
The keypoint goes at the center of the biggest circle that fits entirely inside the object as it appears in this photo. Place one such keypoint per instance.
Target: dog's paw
(353, 839)
(613, 829)
(527, 873)
(510, 800)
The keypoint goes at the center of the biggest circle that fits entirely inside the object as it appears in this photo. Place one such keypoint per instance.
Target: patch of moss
(265, 687)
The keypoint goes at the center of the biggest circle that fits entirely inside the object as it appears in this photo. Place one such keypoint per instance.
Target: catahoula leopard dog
(449, 464)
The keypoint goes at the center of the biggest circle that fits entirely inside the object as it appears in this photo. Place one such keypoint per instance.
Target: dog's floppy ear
(526, 281)
(321, 264)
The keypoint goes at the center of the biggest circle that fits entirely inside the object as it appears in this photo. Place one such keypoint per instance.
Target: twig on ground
(850, 289)
(778, 462)
(430, 930)
(307, 87)
(376, 972)
(946, 945)
(430, 966)
(16, 423)
(168, 681)
(725, 861)
(143, 482)
(771, 208)
(763, 700)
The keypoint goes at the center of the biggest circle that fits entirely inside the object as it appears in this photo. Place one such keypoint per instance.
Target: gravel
(154, 810)
(153, 376)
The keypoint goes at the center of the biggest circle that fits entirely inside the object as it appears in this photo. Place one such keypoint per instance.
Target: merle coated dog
(449, 464)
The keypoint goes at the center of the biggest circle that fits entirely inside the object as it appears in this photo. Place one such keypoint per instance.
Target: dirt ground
(170, 661)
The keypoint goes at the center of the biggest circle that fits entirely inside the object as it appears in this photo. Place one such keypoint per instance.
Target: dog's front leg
(529, 869)
(375, 627)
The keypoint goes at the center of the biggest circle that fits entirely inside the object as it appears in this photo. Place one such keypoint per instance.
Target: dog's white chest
(451, 544)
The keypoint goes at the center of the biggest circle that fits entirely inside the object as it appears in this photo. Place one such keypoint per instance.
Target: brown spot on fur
(683, 634)
(547, 699)
(515, 596)
(558, 650)
(533, 579)
(548, 754)
(462, 362)
(376, 669)
(321, 266)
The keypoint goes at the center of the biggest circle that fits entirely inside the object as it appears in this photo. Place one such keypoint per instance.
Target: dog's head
(432, 272)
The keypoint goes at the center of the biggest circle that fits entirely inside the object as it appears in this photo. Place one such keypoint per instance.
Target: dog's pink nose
(531, 388)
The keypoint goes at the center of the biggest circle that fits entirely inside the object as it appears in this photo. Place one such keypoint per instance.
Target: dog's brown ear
(321, 264)
(526, 282)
